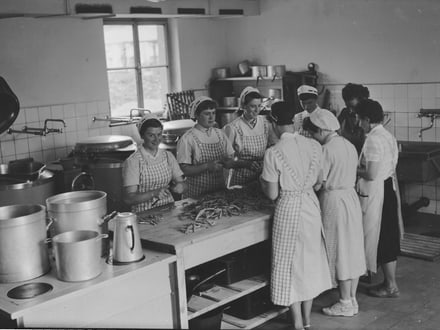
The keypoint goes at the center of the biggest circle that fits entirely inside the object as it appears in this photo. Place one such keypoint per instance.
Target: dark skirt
(389, 238)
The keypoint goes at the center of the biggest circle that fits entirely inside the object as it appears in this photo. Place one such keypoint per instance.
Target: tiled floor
(418, 307)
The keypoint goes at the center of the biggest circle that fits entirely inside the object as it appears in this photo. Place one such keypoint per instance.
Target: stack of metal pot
(80, 224)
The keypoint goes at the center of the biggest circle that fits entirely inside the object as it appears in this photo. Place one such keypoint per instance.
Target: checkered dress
(286, 229)
(207, 181)
(253, 148)
(153, 176)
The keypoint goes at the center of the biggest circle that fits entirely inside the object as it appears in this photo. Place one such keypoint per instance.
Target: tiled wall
(403, 102)
(79, 124)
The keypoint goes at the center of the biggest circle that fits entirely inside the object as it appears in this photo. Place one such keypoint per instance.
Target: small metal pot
(229, 101)
(221, 73)
(244, 67)
(78, 255)
(259, 71)
(276, 71)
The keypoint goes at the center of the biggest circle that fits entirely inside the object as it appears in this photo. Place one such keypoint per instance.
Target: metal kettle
(126, 240)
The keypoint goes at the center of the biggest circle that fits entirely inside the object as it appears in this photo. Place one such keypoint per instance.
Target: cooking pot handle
(51, 220)
(130, 228)
(274, 76)
(101, 236)
(47, 240)
(107, 218)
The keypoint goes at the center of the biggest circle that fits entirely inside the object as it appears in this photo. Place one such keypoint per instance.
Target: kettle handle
(130, 227)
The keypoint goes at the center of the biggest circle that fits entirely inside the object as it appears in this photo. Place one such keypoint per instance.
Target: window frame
(135, 23)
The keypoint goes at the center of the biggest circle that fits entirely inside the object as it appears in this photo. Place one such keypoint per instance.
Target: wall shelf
(248, 78)
(221, 295)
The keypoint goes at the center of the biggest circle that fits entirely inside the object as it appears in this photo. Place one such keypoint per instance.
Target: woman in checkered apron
(300, 270)
(149, 173)
(249, 135)
(204, 150)
(341, 210)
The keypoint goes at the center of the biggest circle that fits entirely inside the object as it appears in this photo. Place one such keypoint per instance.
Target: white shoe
(339, 309)
(355, 306)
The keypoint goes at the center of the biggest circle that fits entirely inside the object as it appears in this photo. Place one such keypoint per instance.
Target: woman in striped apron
(341, 210)
(300, 270)
(204, 150)
(149, 173)
(249, 135)
(380, 199)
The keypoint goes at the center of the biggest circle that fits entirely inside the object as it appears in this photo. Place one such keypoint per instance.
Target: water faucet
(53, 130)
(432, 116)
(39, 131)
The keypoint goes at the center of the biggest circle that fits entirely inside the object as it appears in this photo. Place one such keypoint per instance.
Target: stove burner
(29, 290)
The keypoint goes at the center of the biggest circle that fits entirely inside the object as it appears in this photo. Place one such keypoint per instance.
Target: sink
(418, 161)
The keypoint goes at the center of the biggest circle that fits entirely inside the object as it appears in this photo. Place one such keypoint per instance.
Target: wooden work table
(229, 234)
(136, 295)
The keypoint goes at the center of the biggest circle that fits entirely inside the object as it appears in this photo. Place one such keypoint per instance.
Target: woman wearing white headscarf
(341, 210)
(204, 150)
(149, 172)
(249, 135)
(291, 168)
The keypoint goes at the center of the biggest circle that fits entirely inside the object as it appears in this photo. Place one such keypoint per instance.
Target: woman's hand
(161, 193)
(256, 166)
(178, 188)
(214, 166)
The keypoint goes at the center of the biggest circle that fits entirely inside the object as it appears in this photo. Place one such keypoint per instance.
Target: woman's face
(364, 123)
(252, 109)
(206, 118)
(152, 138)
(309, 105)
(351, 104)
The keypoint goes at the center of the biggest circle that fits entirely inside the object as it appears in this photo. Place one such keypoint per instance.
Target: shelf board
(228, 108)
(222, 295)
(232, 322)
(247, 78)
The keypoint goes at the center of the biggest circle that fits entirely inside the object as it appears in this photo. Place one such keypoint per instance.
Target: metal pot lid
(29, 290)
(9, 106)
(176, 125)
(103, 143)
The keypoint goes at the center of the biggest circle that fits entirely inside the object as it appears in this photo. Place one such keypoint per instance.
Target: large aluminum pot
(221, 73)
(276, 71)
(15, 190)
(23, 252)
(79, 210)
(78, 255)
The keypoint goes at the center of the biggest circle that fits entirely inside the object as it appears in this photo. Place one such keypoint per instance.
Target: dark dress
(350, 129)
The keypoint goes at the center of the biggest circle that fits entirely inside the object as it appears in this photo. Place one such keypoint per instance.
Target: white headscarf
(245, 92)
(146, 117)
(324, 119)
(195, 104)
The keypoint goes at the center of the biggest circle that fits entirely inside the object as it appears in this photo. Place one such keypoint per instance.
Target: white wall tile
(47, 142)
(21, 146)
(21, 118)
(37, 156)
(413, 120)
(59, 140)
(429, 90)
(49, 155)
(8, 148)
(32, 115)
(104, 108)
(35, 144)
(60, 152)
(92, 109)
(401, 105)
(70, 125)
(388, 104)
(415, 90)
(80, 110)
(81, 123)
(69, 111)
(401, 119)
(388, 91)
(44, 113)
(22, 156)
(413, 134)
(428, 102)
(375, 91)
(401, 133)
(414, 104)
(428, 135)
(401, 91)
(57, 111)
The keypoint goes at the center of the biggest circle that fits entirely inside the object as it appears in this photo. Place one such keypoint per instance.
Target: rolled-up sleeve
(175, 168)
(130, 172)
(232, 135)
(229, 149)
(270, 171)
(184, 150)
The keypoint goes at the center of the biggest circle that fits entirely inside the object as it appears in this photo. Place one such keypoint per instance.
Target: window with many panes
(137, 65)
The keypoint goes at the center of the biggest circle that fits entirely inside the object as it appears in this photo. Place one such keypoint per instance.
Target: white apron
(153, 176)
(371, 195)
(208, 181)
(299, 263)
